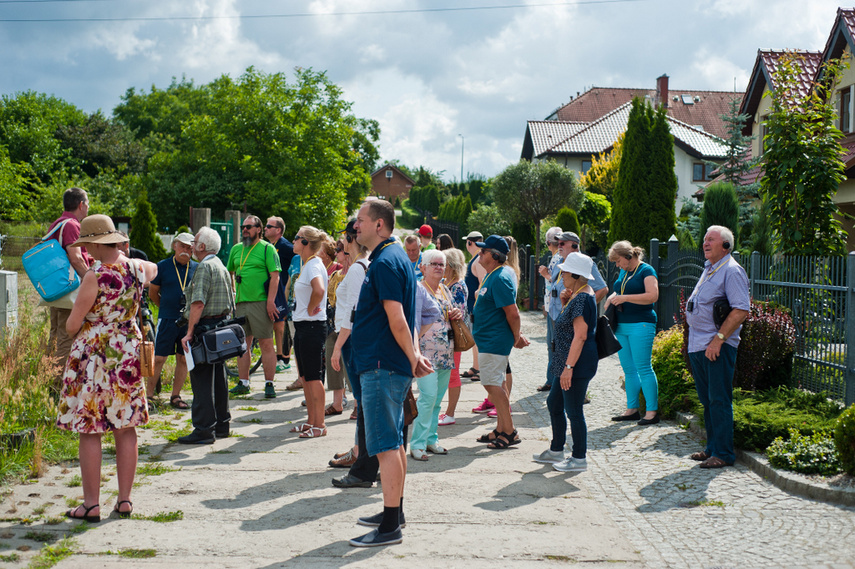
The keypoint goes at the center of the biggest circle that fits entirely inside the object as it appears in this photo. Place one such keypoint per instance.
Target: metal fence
(818, 291)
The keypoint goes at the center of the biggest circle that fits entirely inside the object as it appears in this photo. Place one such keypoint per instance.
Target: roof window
(687, 100)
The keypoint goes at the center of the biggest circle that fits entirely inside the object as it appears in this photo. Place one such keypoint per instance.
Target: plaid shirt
(211, 285)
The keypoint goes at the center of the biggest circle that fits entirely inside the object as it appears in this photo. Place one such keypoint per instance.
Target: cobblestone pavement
(674, 513)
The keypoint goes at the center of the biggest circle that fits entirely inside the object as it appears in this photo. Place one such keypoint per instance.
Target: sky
(446, 79)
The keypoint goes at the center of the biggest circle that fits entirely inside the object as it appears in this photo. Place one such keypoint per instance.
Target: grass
(75, 481)
(133, 553)
(10, 558)
(154, 469)
(40, 536)
(247, 408)
(255, 421)
(73, 502)
(53, 554)
(161, 517)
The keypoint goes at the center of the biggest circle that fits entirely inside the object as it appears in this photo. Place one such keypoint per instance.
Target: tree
(647, 185)
(489, 221)
(721, 207)
(144, 231)
(601, 178)
(802, 164)
(567, 220)
(530, 192)
(594, 217)
(19, 189)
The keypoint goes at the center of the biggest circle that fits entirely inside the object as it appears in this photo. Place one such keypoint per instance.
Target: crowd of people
(371, 312)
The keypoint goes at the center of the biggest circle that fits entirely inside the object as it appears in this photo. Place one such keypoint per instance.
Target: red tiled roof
(704, 113)
(808, 60)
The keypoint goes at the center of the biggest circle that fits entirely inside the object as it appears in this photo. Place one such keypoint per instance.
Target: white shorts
(493, 368)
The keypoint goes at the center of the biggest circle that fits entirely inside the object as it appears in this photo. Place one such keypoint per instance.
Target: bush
(676, 386)
(567, 220)
(844, 439)
(144, 231)
(812, 454)
(765, 356)
(410, 218)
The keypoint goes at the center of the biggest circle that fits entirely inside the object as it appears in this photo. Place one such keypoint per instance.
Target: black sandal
(513, 438)
(177, 403)
(487, 439)
(85, 517)
(471, 372)
(503, 441)
(124, 515)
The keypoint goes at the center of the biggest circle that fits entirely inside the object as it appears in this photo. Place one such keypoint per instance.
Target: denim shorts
(383, 395)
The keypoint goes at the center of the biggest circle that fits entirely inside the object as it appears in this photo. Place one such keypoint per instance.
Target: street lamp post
(462, 147)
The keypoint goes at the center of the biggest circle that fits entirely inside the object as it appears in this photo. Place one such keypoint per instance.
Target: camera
(182, 302)
(690, 306)
(554, 293)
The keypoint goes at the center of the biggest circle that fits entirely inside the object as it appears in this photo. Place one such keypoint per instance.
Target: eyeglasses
(437, 265)
(248, 226)
(272, 227)
(573, 244)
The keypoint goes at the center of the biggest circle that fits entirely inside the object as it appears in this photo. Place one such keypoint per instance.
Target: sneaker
(239, 389)
(571, 465)
(484, 407)
(445, 420)
(280, 366)
(549, 457)
(375, 539)
(269, 390)
(374, 521)
(492, 413)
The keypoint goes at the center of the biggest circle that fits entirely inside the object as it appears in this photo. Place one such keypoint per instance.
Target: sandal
(330, 410)
(346, 460)
(302, 428)
(296, 385)
(85, 517)
(124, 515)
(503, 441)
(487, 438)
(714, 462)
(177, 403)
(513, 438)
(353, 415)
(700, 456)
(313, 433)
(471, 372)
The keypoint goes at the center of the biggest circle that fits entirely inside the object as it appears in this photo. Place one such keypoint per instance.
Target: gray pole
(462, 147)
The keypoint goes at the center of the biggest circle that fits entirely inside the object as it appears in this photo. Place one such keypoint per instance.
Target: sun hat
(425, 231)
(496, 243)
(578, 264)
(186, 238)
(474, 236)
(567, 236)
(98, 229)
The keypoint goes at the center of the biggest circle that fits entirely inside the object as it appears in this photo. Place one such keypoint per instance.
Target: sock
(280, 358)
(268, 383)
(244, 382)
(390, 520)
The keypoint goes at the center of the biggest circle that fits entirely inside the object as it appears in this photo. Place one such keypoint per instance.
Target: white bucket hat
(578, 264)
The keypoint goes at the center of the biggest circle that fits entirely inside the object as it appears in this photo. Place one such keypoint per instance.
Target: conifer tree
(721, 207)
(144, 231)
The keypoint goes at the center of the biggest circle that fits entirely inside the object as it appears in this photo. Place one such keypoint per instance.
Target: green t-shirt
(251, 266)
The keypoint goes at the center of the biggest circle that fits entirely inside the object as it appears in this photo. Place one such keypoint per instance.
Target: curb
(789, 482)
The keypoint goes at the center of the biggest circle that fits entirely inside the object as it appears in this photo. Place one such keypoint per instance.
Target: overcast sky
(427, 70)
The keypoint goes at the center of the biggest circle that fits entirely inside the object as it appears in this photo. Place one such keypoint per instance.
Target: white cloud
(121, 41)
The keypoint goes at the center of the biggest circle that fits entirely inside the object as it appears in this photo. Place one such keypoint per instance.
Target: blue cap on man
(496, 243)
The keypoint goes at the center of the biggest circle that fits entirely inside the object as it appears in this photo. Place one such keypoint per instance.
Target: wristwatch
(568, 367)
(720, 336)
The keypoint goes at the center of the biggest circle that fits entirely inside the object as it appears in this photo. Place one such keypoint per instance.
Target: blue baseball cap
(496, 243)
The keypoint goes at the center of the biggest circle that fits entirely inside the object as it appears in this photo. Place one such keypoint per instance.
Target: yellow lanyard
(303, 266)
(181, 283)
(433, 292)
(378, 253)
(626, 280)
(484, 286)
(243, 259)
(572, 296)
(703, 280)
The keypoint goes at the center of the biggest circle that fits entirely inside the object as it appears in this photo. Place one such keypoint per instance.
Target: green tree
(721, 207)
(647, 186)
(594, 216)
(601, 178)
(489, 221)
(526, 192)
(802, 164)
(19, 189)
(144, 231)
(567, 220)
(761, 237)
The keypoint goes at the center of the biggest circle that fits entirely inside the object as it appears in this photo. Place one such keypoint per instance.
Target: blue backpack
(49, 269)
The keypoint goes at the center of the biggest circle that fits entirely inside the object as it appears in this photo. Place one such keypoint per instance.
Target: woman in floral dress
(102, 388)
(437, 345)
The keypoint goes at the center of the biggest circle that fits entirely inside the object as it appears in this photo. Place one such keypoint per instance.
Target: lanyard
(303, 266)
(181, 283)
(441, 290)
(484, 286)
(708, 277)
(373, 257)
(243, 259)
(626, 280)
(572, 296)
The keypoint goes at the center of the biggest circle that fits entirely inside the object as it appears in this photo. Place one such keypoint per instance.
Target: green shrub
(811, 454)
(844, 439)
(765, 356)
(567, 220)
(410, 218)
(676, 386)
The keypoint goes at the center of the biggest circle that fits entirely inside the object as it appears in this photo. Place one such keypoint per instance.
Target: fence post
(532, 283)
(656, 264)
(849, 374)
(755, 274)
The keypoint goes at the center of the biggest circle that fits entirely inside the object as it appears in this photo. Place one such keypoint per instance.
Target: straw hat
(98, 229)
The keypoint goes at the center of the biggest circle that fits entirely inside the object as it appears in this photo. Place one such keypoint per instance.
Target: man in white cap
(167, 292)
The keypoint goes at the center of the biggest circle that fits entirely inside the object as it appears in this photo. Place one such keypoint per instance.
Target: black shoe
(375, 520)
(544, 387)
(222, 434)
(652, 421)
(376, 539)
(350, 481)
(634, 417)
(197, 438)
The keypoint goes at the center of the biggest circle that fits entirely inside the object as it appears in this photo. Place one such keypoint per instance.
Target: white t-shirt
(313, 269)
(347, 294)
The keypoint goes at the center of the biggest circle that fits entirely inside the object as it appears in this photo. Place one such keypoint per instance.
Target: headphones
(725, 244)
(628, 257)
(496, 257)
(304, 241)
(349, 237)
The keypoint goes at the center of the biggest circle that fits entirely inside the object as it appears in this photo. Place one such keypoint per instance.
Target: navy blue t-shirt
(285, 250)
(471, 284)
(585, 367)
(169, 278)
(390, 277)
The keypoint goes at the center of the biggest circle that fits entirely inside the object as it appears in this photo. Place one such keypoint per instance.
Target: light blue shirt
(726, 279)
(556, 283)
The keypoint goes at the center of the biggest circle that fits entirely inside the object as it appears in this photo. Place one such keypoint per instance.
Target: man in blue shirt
(385, 357)
(273, 231)
(167, 292)
(496, 328)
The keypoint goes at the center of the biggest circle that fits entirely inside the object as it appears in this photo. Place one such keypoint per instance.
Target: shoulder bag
(411, 408)
(226, 341)
(607, 343)
(50, 271)
(146, 347)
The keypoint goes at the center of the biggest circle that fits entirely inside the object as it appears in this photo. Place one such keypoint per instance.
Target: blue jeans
(560, 402)
(550, 337)
(383, 395)
(636, 339)
(714, 382)
(432, 388)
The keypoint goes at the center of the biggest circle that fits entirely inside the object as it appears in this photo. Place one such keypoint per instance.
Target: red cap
(425, 231)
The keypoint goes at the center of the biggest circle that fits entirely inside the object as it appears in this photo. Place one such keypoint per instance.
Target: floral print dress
(435, 344)
(102, 388)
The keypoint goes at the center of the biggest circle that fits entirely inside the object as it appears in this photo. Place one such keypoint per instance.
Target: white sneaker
(549, 456)
(571, 465)
(280, 367)
(445, 420)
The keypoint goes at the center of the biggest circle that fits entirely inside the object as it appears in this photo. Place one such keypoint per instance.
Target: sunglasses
(248, 226)
(272, 227)
(573, 244)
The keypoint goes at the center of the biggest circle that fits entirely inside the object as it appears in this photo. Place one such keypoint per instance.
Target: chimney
(662, 90)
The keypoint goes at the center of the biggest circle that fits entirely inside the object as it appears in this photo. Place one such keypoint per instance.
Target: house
(389, 182)
(589, 125)
(755, 103)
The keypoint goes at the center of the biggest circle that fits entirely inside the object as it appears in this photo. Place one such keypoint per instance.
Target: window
(763, 132)
(586, 165)
(388, 174)
(845, 101)
(702, 172)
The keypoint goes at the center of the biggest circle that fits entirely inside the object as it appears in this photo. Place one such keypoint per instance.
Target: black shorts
(167, 341)
(309, 349)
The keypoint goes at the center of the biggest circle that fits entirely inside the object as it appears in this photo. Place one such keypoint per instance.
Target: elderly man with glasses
(568, 242)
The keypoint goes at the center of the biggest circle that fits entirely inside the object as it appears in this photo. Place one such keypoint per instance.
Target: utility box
(8, 301)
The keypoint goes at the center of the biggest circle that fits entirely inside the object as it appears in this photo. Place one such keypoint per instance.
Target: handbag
(411, 408)
(607, 343)
(611, 313)
(49, 269)
(220, 344)
(463, 339)
(146, 347)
